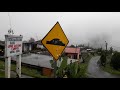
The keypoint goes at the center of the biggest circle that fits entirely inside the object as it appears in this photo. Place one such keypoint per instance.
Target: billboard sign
(13, 45)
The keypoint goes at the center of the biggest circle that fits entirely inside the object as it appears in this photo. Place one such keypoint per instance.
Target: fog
(80, 27)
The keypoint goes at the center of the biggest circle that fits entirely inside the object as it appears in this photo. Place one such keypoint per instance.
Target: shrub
(115, 61)
(103, 58)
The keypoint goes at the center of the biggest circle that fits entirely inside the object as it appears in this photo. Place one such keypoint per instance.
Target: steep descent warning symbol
(55, 41)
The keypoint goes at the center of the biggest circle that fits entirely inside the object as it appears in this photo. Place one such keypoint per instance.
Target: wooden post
(7, 67)
(18, 66)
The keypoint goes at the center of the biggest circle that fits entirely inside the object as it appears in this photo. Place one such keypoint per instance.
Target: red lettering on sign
(10, 46)
(14, 47)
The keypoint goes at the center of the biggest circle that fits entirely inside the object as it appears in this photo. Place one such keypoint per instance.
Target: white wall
(30, 47)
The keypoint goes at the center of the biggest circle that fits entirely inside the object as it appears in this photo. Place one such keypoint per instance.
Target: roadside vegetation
(24, 70)
(84, 65)
(111, 62)
(74, 69)
(2, 74)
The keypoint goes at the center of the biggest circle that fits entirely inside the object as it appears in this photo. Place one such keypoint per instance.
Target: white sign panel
(13, 45)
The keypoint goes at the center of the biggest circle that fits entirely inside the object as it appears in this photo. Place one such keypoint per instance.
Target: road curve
(94, 70)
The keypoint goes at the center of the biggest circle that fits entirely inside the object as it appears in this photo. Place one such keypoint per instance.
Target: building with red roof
(73, 53)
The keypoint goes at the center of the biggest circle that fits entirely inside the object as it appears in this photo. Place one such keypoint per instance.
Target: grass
(32, 72)
(110, 69)
(83, 70)
(84, 66)
(2, 64)
(2, 74)
(24, 70)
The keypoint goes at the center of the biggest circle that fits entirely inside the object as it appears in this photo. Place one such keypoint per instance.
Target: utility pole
(55, 67)
(10, 31)
(105, 52)
(88, 45)
(106, 46)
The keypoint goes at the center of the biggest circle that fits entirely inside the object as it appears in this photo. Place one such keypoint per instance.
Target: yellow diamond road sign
(55, 41)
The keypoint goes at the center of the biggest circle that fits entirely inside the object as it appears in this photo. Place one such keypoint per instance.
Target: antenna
(10, 31)
(9, 20)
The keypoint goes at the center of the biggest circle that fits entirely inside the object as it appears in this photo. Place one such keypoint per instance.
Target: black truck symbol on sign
(55, 41)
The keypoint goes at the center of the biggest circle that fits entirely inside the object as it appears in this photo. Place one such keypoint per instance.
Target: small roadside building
(72, 53)
(27, 46)
(37, 46)
(32, 46)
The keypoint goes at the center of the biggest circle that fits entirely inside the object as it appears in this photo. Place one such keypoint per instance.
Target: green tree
(72, 70)
(72, 46)
(99, 51)
(32, 40)
(60, 70)
(103, 58)
(111, 50)
(115, 61)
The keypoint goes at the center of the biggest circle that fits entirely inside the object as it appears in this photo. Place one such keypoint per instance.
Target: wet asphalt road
(95, 71)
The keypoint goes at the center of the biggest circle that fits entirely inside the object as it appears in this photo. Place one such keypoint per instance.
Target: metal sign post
(55, 42)
(13, 47)
(18, 66)
(55, 68)
(7, 67)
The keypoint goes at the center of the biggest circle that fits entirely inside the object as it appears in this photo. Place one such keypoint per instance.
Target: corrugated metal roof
(37, 60)
(40, 60)
(72, 50)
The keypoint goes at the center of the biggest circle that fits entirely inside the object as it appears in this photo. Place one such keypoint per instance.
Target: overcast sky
(80, 27)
